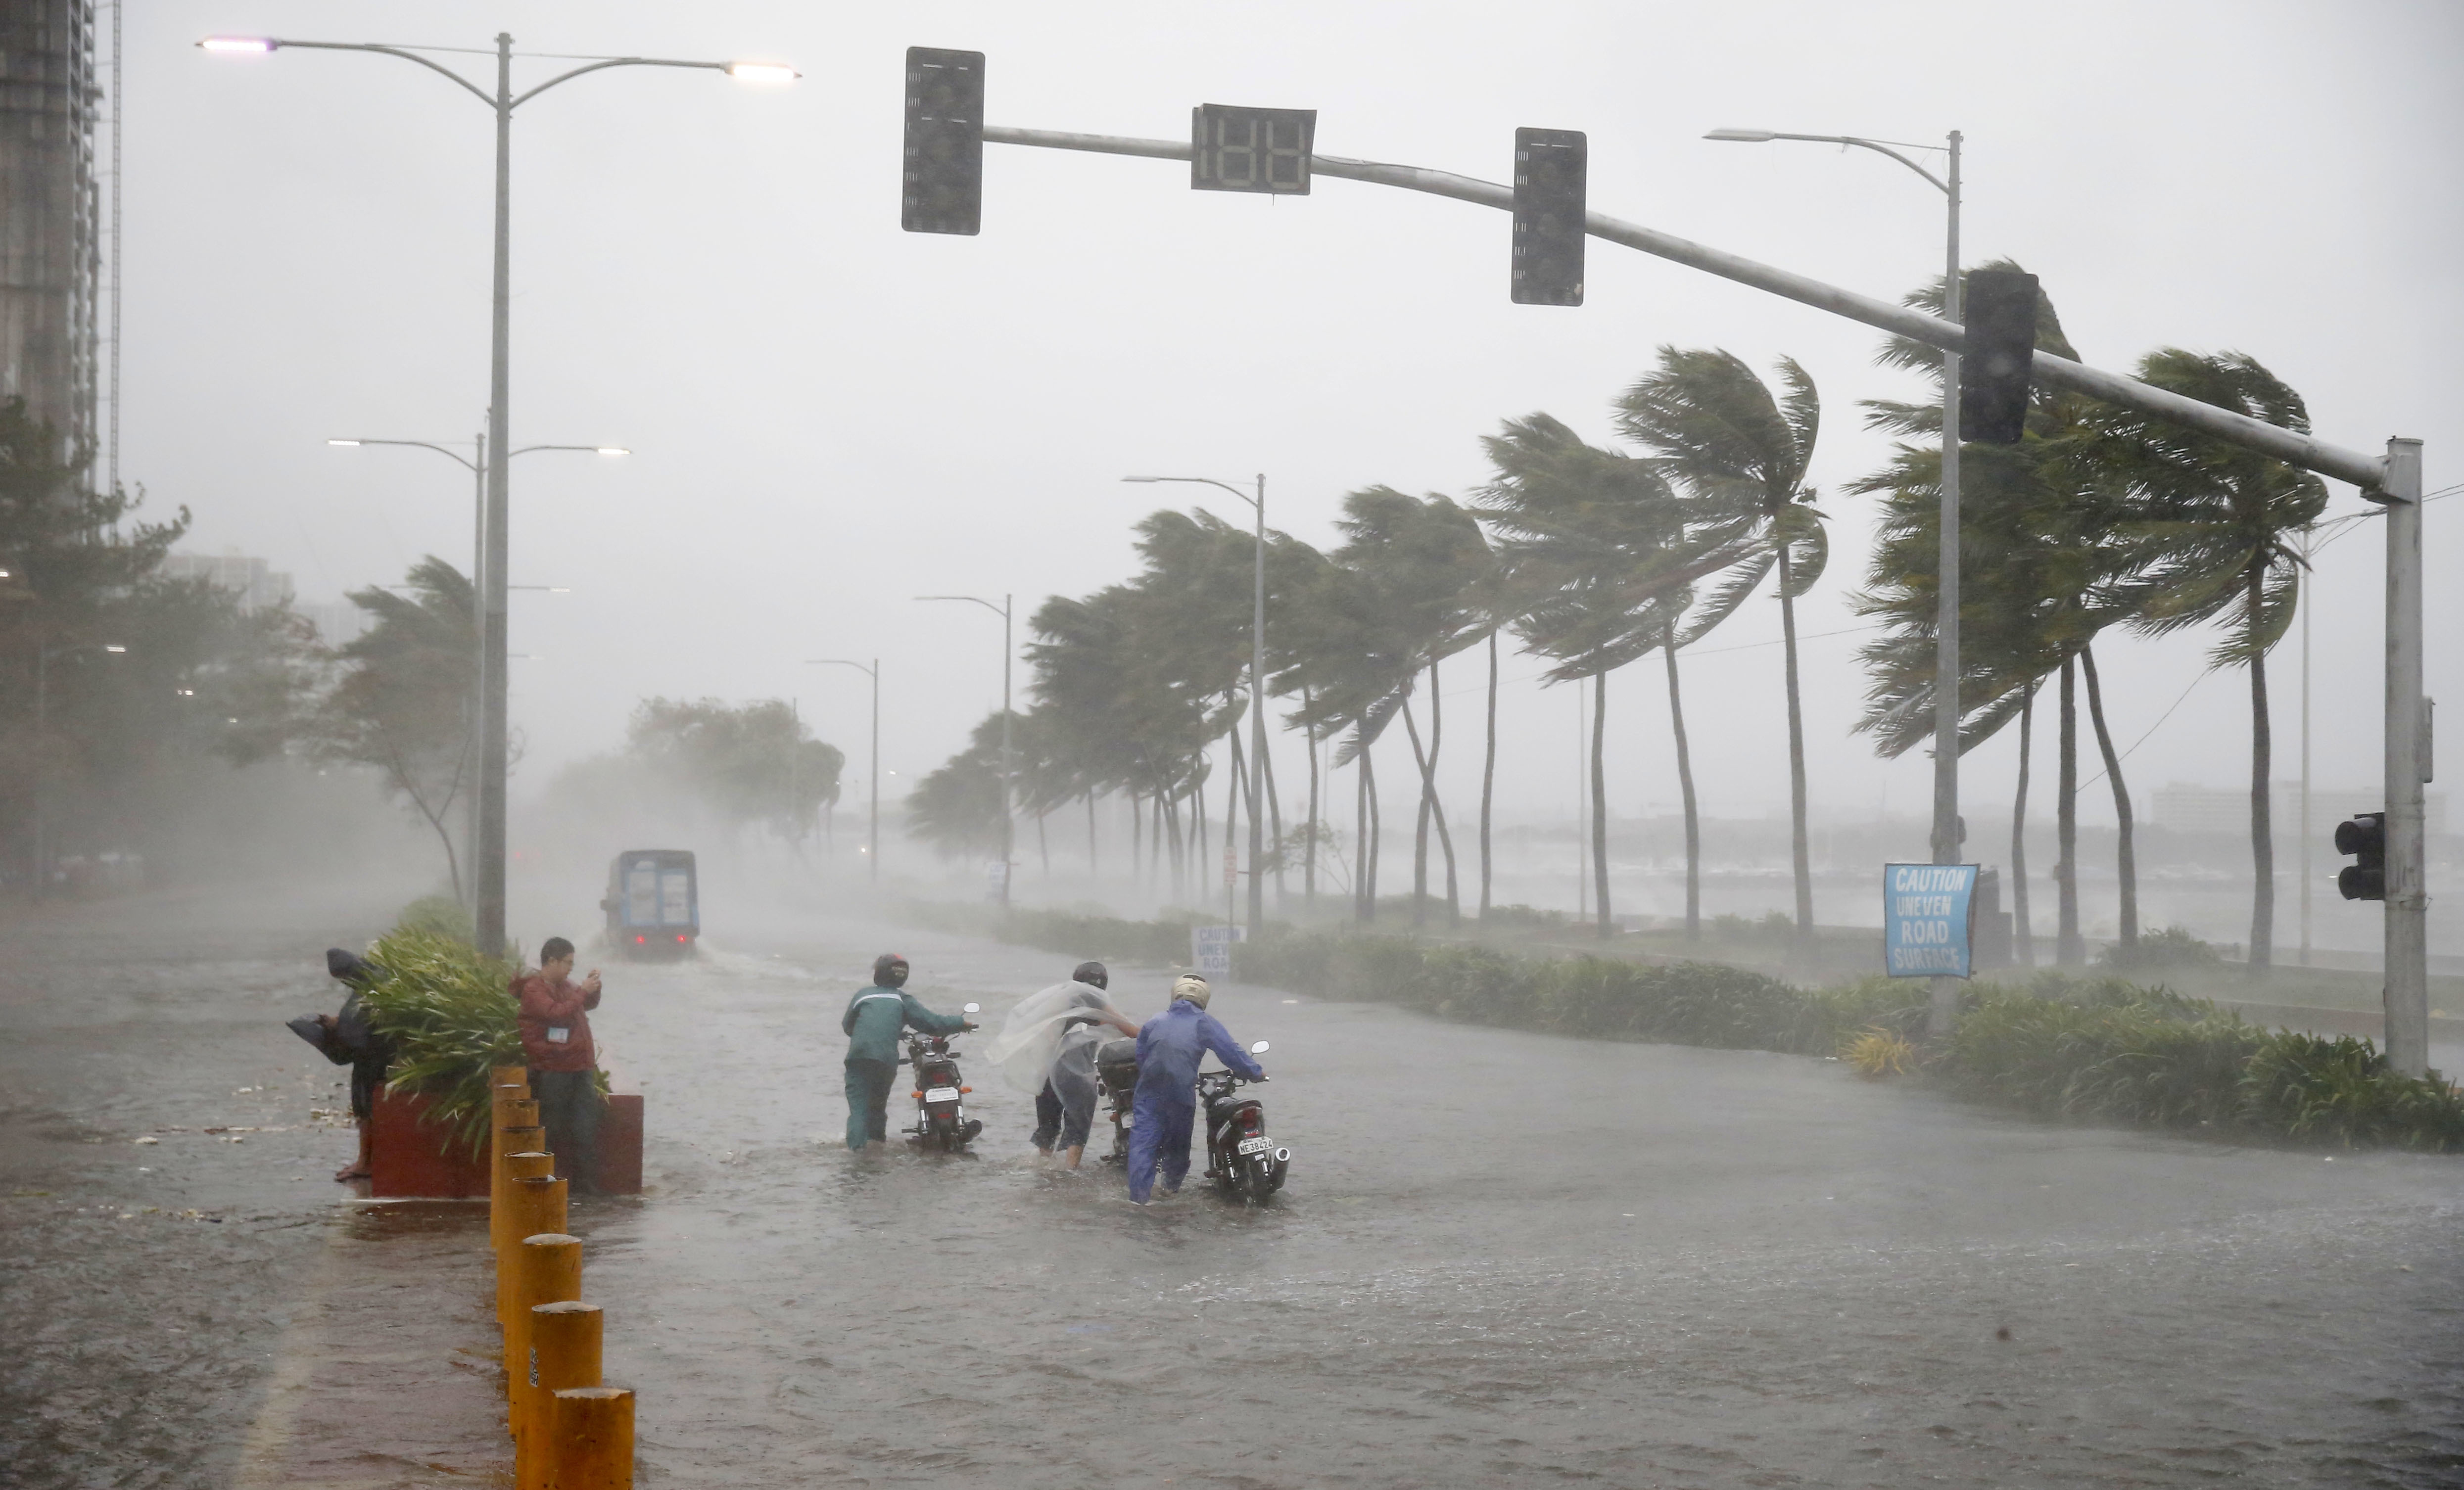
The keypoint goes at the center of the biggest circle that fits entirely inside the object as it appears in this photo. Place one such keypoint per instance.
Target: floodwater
(1501, 1259)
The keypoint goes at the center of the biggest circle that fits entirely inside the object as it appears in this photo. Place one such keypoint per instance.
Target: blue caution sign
(1927, 930)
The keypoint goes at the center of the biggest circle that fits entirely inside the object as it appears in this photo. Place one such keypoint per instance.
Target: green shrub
(2312, 1087)
(449, 1015)
(1521, 915)
(2169, 946)
(440, 914)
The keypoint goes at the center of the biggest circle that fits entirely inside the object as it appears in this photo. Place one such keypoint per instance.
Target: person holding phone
(555, 1023)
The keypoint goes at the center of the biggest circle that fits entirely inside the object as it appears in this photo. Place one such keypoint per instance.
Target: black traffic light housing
(2363, 836)
(942, 177)
(2000, 308)
(1235, 148)
(1550, 208)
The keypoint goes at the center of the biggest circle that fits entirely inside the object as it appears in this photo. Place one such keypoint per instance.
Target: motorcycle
(1240, 1158)
(941, 1122)
(1117, 1079)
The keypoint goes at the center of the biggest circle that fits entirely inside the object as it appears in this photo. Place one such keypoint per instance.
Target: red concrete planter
(414, 1158)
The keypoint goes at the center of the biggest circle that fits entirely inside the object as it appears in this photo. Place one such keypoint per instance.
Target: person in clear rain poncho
(1047, 1046)
(1170, 1048)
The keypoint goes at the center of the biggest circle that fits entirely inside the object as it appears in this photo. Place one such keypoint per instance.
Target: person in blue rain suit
(873, 1020)
(1170, 1047)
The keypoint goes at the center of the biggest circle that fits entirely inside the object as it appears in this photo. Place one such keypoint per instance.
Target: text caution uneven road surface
(1925, 910)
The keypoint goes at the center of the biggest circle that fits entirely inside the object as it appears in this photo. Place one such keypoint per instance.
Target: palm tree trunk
(1421, 824)
(2069, 950)
(1599, 801)
(1274, 826)
(1170, 808)
(1360, 835)
(1488, 778)
(1685, 794)
(1232, 792)
(1137, 843)
(2126, 857)
(1043, 848)
(1420, 829)
(1092, 867)
(1800, 857)
(1376, 847)
(1308, 832)
(1437, 808)
(2263, 825)
(2023, 936)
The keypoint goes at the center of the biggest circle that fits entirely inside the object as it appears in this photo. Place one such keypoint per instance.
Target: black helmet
(890, 970)
(1091, 973)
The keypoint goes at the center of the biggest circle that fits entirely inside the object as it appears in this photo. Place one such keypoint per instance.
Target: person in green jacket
(874, 1020)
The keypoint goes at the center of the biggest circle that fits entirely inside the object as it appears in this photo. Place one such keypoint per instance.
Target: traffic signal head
(2363, 836)
(1550, 208)
(1232, 148)
(943, 182)
(2000, 308)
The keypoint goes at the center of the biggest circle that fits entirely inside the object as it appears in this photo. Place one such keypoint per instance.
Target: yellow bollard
(565, 1352)
(536, 1207)
(530, 1166)
(547, 1269)
(520, 1138)
(590, 1442)
(510, 1076)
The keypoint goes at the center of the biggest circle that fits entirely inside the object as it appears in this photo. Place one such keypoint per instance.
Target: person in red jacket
(564, 1066)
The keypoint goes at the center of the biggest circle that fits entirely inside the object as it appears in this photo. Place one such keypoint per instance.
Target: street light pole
(1256, 690)
(1007, 761)
(478, 465)
(872, 813)
(503, 101)
(1944, 1001)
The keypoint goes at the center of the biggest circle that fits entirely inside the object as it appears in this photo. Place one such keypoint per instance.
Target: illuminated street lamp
(490, 918)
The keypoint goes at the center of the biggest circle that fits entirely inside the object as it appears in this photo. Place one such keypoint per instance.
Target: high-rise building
(50, 248)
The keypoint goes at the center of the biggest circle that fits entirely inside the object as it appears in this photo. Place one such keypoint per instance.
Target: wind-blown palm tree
(2045, 551)
(1741, 456)
(2220, 531)
(1599, 546)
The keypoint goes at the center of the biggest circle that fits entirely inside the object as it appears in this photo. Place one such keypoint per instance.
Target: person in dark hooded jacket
(348, 1038)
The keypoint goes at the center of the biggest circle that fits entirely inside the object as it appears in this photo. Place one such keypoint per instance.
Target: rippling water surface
(1502, 1258)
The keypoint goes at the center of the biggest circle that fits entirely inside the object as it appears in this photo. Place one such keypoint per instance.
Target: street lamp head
(609, 450)
(113, 646)
(1144, 478)
(1743, 135)
(764, 75)
(256, 46)
(351, 443)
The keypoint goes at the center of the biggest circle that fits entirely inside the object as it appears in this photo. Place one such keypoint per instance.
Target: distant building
(337, 623)
(49, 251)
(258, 585)
(2184, 808)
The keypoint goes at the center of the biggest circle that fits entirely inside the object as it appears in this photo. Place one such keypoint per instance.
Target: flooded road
(1502, 1258)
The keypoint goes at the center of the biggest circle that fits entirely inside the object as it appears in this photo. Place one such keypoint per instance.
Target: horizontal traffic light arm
(2288, 445)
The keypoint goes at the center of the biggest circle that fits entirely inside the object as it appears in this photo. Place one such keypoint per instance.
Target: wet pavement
(1502, 1258)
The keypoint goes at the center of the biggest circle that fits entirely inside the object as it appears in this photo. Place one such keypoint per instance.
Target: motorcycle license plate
(1258, 1145)
(941, 1094)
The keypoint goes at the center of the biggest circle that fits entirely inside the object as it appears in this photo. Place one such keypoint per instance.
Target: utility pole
(2408, 767)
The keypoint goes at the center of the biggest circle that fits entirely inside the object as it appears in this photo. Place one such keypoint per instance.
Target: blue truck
(653, 903)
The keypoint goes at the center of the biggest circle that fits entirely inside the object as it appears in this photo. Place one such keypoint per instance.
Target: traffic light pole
(2408, 766)
(2394, 482)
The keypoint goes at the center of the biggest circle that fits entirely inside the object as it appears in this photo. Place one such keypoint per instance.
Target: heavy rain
(760, 745)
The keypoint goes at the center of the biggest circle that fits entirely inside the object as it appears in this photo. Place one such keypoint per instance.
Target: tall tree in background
(1599, 545)
(402, 703)
(1741, 456)
(2048, 548)
(957, 807)
(746, 764)
(2219, 531)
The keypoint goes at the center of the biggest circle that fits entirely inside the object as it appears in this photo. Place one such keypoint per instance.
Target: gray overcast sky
(832, 417)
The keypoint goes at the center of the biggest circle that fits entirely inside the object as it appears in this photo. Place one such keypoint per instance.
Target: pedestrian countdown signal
(943, 189)
(1232, 148)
